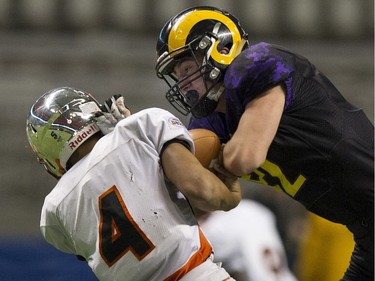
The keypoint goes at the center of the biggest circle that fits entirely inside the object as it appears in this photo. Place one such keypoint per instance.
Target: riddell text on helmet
(76, 140)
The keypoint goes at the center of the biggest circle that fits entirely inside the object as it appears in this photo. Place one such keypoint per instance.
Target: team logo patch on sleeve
(175, 122)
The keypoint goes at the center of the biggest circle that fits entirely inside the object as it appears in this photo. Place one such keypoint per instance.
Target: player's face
(189, 76)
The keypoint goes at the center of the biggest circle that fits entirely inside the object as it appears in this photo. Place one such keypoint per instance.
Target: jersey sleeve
(214, 122)
(255, 70)
(51, 230)
(156, 127)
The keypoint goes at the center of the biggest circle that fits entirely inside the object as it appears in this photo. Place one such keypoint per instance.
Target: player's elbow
(242, 163)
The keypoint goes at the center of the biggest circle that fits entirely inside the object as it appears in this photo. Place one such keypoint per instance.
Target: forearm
(203, 188)
(248, 147)
(209, 193)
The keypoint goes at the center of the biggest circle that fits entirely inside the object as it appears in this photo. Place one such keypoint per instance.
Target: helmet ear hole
(225, 50)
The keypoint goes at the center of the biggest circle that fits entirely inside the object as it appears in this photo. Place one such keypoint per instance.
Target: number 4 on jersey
(118, 232)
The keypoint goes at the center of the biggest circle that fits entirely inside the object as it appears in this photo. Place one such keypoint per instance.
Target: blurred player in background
(120, 200)
(247, 241)
(284, 123)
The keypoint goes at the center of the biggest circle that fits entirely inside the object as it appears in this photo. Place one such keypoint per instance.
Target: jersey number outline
(270, 174)
(118, 232)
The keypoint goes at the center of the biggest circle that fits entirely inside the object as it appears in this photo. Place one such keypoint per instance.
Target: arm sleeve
(255, 70)
(184, 143)
(156, 127)
(53, 233)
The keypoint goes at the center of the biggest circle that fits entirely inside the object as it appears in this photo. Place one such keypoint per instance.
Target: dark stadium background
(107, 47)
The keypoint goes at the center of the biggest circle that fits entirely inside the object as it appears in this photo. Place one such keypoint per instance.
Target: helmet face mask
(206, 31)
(58, 123)
(200, 69)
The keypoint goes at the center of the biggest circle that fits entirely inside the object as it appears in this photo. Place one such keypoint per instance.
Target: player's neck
(83, 150)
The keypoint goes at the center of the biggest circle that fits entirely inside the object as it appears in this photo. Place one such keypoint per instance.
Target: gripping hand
(112, 111)
(116, 106)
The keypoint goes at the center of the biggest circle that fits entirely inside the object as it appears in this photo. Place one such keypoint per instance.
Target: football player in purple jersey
(284, 124)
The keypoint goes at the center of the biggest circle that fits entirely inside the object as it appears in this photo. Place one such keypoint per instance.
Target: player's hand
(230, 180)
(105, 121)
(116, 106)
(113, 110)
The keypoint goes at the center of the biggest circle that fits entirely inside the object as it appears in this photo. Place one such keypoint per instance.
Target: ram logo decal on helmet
(210, 36)
(180, 30)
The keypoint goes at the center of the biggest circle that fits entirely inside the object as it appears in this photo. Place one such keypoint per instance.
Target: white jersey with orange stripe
(115, 209)
(246, 240)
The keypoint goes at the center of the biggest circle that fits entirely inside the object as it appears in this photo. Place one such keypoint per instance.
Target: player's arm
(204, 189)
(248, 147)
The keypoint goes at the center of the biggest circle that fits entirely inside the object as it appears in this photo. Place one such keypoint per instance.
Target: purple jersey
(323, 146)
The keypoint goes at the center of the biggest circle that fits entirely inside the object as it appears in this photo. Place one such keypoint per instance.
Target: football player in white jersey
(258, 253)
(122, 202)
